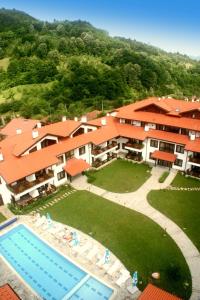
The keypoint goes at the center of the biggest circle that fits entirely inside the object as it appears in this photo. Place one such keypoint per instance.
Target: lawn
(183, 207)
(121, 176)
(2, 218)
(182, 181)
(135, 239)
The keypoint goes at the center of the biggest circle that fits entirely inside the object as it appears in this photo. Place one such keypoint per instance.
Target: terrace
(24, 184)
(134, 145)
(97, 151)
(194, 159)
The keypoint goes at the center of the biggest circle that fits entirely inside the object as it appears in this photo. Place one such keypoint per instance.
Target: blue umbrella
(107, 256)
(49, 220)
(135, 278)
(75, 238)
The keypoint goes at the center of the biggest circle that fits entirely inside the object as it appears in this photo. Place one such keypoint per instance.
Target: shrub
(163, 176)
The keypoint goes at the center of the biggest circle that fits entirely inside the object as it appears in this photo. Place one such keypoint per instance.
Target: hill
(83, 67)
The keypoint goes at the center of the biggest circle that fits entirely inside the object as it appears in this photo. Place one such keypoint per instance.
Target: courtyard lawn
(136, 240)
(183, 207)
(2, 218)
(120, 176)
(183, 181)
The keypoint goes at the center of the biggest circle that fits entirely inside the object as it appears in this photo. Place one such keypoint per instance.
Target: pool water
(49, 273)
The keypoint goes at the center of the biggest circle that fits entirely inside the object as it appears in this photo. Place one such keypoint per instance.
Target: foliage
(86, 66)
(182, 181)
(2, 218)
(163, 176)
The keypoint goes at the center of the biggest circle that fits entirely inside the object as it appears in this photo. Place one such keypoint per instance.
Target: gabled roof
(22, 142)
(18, 123)
(76, 166)
(152, 292)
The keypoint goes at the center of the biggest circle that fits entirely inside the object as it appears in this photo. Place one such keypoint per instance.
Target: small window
(82, 150)
(61, 175)
(89, 130)
(33, 149)
(61, 159)
(179, 149)
(154, 143)
(178, 162)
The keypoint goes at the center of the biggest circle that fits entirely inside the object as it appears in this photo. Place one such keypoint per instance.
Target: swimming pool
(49, 273)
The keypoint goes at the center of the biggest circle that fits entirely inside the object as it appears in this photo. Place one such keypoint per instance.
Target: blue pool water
(50, 274)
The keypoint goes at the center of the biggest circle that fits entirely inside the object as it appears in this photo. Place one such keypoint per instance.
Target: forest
(67, 68)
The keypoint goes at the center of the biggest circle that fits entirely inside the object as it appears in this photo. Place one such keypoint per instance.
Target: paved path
(138, 202)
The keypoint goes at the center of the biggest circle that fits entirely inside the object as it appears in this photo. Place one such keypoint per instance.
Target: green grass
(2, 218)
(183, 181)
(163, 176)
(183, 207)
(4, 63)
(121, 176)
(28, 90)
(135, 239)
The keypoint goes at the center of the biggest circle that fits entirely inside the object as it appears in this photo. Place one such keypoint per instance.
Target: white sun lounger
(92, 253)
(114, 268)
(40, 221)
(125, 275)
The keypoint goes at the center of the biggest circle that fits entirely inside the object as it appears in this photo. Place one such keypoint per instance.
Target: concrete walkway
(138, 201)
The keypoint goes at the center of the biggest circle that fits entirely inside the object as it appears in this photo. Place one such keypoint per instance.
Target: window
(82, 150)
(33, 149)
(179, 149)
(154, 143)
(61, 159)
(178, 162)
(89, 130)
(166, 147)
(61, 175)
(69, 154)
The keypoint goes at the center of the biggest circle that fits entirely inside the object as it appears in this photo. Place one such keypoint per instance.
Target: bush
(163, 176)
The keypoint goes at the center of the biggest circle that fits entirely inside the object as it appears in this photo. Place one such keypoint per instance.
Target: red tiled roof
(152, 292)
(92, 115)
(18, 123)
(193, 146)
(76, 166)
(7, 293)
(163, 156)
(168, 136)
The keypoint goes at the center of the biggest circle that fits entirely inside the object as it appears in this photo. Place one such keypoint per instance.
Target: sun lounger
(92, 253)
(125, 275)
(114, 268)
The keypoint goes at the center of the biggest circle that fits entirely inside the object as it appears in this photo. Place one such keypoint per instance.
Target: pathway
(138, 201)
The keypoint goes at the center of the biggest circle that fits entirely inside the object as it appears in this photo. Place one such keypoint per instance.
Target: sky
(172, 25)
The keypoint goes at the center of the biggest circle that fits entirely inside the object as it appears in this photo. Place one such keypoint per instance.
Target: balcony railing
(138, 146)
(98, 163)
(99, 150)
(25, 184)
(134, 156)
(195, 160)
(194, 173)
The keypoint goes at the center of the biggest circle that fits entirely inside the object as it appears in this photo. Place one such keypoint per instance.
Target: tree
(42, 50)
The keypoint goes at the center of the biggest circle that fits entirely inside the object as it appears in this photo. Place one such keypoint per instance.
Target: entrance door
(1, 200)
(164, 163)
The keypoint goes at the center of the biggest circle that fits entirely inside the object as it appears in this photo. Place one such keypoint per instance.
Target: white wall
(5, 192)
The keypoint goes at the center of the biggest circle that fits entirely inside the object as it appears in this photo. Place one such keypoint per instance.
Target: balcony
(194, 160)
(194, 173)
(98, 163)
(134, 156)
(134, 146)
(98, 151)
(24, 185)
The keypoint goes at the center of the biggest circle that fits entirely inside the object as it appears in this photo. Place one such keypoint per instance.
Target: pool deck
(58, 243)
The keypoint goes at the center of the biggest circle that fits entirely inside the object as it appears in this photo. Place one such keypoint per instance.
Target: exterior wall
(136, 123)
(57, 169)
(5, 192)
(182, 156)
(152, 126)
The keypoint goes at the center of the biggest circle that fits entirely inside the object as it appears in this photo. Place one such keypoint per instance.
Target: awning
(76, 166)
(152, 292)
(163, 156)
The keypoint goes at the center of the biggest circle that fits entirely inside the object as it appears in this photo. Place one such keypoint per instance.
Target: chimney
(1, 156)
(103, 122)
(146, 128)
(35, 134)
(18, 131)
(39, 125)
(75, 119)
(192, 136)
(83, 119)
(64, 118)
